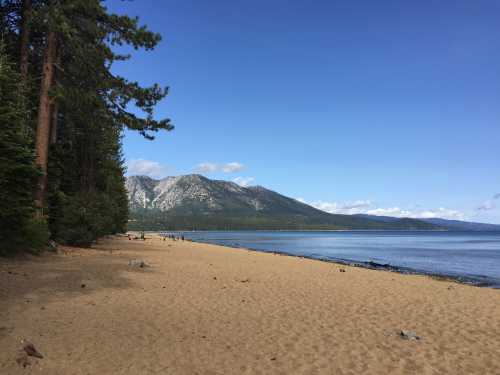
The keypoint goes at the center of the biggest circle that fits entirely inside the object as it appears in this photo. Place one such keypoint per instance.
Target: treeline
(157, 220)
(62, 116)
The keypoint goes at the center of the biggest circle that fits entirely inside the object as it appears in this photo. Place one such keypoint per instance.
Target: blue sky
(381, 106)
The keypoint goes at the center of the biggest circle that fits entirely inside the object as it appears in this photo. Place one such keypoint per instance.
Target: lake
(472, 257)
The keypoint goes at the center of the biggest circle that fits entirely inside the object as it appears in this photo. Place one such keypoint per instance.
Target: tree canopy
(63, 112)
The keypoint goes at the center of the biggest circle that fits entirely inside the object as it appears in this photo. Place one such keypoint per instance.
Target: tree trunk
(54, 106)
(53, 126)
(25, 37)
(44, 118)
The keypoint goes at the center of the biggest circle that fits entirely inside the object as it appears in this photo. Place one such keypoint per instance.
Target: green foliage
(33, 236)
(18, 173)
(86, 186)
(36, 235)
(154, 219)
(88, 196)
(88, 33)
(83, 217)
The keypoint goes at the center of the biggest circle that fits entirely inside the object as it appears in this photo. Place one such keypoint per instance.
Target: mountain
(451, 225)
(384, 219)
(463, 225)
(196, 202)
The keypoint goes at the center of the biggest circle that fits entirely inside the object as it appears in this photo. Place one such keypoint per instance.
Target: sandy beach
(206, 309)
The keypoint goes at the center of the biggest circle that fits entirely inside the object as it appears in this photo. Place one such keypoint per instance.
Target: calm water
(468, 256)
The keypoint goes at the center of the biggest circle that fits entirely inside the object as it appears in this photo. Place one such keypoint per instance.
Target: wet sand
(206, 309)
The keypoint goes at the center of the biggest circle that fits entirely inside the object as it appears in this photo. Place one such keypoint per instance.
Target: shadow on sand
(72, 272)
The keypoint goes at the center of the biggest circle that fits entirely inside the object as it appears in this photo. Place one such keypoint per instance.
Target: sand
(205, 309)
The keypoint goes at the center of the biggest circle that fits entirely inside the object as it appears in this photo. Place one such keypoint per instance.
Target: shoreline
(309, 230)
(478, 281)
(370, 265)
(199, 308)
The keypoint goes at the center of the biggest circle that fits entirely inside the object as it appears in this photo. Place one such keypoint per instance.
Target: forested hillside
(62, 114)
(196, 202)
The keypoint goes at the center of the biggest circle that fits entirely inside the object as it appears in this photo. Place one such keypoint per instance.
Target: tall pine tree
(18, 172)
(76, 109)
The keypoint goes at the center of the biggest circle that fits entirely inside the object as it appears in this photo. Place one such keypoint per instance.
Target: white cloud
(489, 204)
(441, 212)
(390, 211)
(147, 168)
(244, 181)
(347, 208)
(357, 204)
(369, 208)
(486, 206)
(232, 167)
(208, 167)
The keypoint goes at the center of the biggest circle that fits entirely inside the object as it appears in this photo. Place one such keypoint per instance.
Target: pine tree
(26, 15)
(44, 117)
(18, 173)
(88, 197)
(75, 110)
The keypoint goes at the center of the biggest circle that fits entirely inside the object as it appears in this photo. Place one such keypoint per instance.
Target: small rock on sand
(408, 335)
(30, 350)
(138, 263)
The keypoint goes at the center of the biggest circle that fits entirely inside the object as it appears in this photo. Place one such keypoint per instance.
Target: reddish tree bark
(54, 106)
(45, 117)
(53, 126)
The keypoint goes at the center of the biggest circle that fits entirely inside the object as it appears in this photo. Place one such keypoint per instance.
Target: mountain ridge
(449, 224)
(197, 202)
